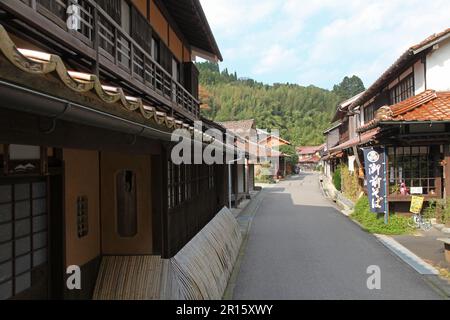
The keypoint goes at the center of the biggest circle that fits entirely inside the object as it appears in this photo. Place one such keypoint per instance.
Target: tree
(349, 87)
(300, 113)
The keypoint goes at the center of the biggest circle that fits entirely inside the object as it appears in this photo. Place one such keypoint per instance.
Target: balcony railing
(117, 48)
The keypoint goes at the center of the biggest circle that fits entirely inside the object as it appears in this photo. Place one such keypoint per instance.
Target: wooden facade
(85, 124)
(406, 111)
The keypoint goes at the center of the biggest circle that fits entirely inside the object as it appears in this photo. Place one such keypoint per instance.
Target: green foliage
(300, 113)
(264, 179)
(262, 174)
(337, 179)
(291, 152)
(349, 87)
(374, 223)
(439, 209)
(350, 184)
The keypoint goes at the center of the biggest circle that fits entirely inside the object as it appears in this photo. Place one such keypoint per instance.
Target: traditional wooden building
(309, 157)
(342, 139)
(243, 171)
(86, 117)
(271, 144)
(407, 111)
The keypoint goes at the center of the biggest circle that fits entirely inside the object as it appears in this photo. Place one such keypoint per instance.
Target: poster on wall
(375, 166)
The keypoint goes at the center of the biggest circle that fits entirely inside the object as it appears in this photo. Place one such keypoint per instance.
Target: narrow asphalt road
(301, 247)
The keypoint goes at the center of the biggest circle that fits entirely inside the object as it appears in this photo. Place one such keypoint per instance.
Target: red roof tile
(361, 139)
(313, 159)
(404, 60)
(309, 149)
(430, 39)
(427, 106)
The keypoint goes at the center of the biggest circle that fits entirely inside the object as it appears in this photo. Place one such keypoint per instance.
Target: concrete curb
(431, 274)
(407, 256)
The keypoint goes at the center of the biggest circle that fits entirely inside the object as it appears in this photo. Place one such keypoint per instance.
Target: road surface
(301, 247)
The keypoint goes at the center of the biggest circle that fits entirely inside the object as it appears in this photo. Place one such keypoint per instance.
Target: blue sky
(320, 41)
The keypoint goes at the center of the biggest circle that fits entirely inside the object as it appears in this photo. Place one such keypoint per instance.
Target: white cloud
(321, 41)
(275, 59)
(234, 16)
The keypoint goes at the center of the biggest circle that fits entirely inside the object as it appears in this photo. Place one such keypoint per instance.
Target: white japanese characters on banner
(375, 164)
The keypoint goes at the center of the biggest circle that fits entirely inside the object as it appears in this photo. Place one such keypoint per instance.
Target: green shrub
(337, 180)
(429, 211)
(439, 209)
(263, 175)
(374, 223)
(264, 179)
(350, 184)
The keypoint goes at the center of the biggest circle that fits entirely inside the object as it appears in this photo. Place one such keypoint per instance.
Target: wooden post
(158, 192)
(96, 42)
(165, 228)
(116, 42)
(6, 159)
(446, 170)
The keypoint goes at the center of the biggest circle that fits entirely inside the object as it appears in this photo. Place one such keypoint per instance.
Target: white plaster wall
(419, 77)
(438, 68)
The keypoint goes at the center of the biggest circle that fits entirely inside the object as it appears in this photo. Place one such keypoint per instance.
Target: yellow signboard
(416, 204)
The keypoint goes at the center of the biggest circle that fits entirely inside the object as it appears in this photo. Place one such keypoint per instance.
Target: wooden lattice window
(82, 216)
(416, 167)
(403, 90)
(23, 234)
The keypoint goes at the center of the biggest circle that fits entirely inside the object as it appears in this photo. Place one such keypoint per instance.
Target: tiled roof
(313, 159)
(427, 106)
(360, 139)
(274, 137)
(309, 149)
(404, 60)
(431, 39)
(239, 125)
(42, 63)
(343, 106)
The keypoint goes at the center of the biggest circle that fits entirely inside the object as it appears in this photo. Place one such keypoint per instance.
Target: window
(186, 181)
(369, 113)
(155, 49)
(82, 217)
(403, 90)
(416, 168)
(23, 235)
(126, 16)
(126, 203)
(112, 8)
(57, 7)
(176, 73)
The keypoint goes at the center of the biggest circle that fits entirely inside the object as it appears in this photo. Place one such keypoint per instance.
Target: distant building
(309, 156)
(272, 143)
(243, 174)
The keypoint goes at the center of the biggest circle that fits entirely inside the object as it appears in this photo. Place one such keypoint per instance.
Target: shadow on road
(300, 247)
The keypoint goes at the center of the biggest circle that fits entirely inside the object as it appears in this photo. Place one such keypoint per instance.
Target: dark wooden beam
(23, 128)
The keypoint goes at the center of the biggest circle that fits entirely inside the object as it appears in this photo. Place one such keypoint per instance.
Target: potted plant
(394, 189)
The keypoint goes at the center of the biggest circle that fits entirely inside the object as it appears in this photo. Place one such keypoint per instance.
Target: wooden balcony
(109, 48)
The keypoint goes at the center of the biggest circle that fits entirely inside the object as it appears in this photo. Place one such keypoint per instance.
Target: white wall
(438, 68)
(419, 77)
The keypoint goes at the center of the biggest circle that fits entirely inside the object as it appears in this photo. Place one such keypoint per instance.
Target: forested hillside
(300, 113)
